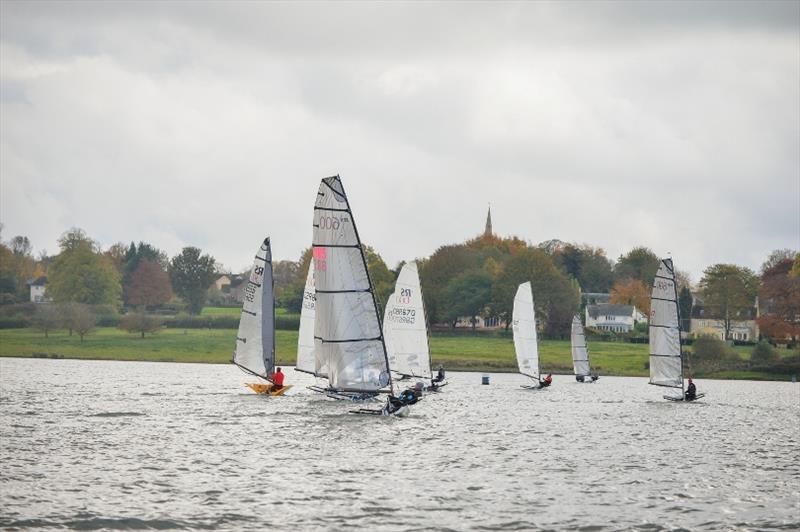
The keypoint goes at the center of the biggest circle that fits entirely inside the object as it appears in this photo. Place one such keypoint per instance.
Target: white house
(222, 282)
(37, 287)
(614, 318)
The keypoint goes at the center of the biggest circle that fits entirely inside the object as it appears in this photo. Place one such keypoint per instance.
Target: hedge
(285, 323)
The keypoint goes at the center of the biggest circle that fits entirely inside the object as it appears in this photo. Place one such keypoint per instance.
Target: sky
(671, 125)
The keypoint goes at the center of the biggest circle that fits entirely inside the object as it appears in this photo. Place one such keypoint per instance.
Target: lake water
(91, 444)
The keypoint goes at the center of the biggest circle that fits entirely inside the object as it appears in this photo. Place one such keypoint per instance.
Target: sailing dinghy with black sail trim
(307, 361)
(255, 340)
(666, 355)
(405, 329)
(347, 328)
(580, 352)
(525, 340)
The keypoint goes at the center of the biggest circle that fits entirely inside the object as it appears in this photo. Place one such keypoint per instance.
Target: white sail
(524, 327)
(665, 345)
(580, 354)
(306, 361)
(255, 341)
(404, 329)
(347, 328)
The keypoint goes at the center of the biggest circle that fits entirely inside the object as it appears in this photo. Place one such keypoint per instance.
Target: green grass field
(456, 352)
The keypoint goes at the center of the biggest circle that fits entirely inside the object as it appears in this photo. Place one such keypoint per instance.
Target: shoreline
(742, 375)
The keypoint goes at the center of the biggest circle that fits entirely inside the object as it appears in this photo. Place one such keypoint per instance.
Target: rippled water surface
(90, 444)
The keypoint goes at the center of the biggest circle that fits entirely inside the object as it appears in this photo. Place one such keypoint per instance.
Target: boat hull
(266, 389)
(682, 400)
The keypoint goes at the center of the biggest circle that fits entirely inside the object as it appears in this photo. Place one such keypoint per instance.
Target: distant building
(743, 328)
(595, 298)
(614, 318)
(38, 287)
(222, 282)
(481, 323)
(488, 229)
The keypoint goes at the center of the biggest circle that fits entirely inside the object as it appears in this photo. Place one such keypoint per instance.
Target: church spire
(488, 230)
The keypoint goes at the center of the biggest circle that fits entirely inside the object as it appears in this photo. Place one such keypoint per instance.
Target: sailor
(393, 404)
(691, 391)
(410, 396)
(579, 378)
(277, 380)
(547, 381)
(595, 376)
(439, 375)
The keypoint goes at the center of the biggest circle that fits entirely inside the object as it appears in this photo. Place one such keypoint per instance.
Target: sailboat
(307, 361)
(666, 355)
(580, 352)
(404, 328)
(348, 336)
(255, 340)
(524, 329)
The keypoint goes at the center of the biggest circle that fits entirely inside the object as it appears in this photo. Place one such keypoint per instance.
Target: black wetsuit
(439, 376)
(691, 392)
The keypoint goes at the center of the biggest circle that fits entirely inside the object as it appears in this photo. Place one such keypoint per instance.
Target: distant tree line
(476, 278)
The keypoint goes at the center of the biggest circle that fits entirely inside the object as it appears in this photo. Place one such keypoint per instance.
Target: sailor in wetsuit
(547, 381)
(579, 378)
(439, 375)
(691, 391)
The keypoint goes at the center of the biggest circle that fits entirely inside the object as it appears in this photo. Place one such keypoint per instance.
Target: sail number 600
(329, 222)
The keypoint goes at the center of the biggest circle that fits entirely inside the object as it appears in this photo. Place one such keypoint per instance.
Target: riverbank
(461, 352)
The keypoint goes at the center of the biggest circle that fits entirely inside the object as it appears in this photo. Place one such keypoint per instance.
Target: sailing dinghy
(405, 330)
(525, 342)
(580, 352)
(348, 336)
(255, 341)
(666, 355)
(307, 361)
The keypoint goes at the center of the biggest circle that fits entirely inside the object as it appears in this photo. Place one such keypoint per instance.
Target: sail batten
(255, 340)
(580, 353)
(404, 326)
(524, 329)
(666, 364)
(348, 340)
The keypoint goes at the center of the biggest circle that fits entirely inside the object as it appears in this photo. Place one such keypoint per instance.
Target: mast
(680, 338)
(255, 340)
(348, 329)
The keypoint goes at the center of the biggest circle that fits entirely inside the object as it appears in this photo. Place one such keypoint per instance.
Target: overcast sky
(670, 125)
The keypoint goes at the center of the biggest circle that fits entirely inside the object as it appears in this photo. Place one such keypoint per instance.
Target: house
(465, 322)
(595, 298)
(222, 282)
(743, 328)
(38, 287)
(614, 318)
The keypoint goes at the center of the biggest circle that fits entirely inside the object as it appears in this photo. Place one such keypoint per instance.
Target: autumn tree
(191, 274)
(149, 285)
(139, 322)
(133, 257)
(589, 266)
(468, 294)
(779, 296)
(728, 290)
(556, 299)
(631, 292)
(639, 263)
(46, 318)
(81, 274)
(82, 320)
(437, 272)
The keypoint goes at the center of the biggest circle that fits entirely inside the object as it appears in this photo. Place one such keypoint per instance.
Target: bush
(763, 353)
(225, 321)
(13, 323)
(140, 323)
(711, 354)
